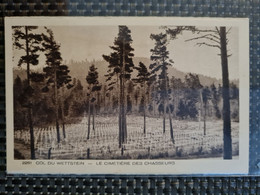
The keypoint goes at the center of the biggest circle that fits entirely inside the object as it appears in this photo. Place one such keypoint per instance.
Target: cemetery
(189, 140)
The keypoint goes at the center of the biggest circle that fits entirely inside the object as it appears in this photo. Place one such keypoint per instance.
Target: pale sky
(90, 42)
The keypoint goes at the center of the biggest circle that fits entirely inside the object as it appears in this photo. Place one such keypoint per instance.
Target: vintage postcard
(127, 95)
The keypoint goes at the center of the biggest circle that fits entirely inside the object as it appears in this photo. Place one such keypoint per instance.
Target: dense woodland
(51, 96)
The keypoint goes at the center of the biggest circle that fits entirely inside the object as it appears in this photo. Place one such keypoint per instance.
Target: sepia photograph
(125, 91)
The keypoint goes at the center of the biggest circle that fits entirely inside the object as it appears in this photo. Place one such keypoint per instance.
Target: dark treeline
(186, 101)
(52, 97)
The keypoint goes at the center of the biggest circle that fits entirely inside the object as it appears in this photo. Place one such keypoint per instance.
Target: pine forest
(125, 92)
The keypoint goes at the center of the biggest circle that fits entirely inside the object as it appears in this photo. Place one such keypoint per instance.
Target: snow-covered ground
(190, 141)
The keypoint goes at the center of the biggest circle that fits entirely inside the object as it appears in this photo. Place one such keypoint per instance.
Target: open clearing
(190, 141)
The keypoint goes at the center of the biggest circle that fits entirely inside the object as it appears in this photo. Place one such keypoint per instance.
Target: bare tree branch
(210, 45)
(173, 32)
(216, 37)
(204, 37)
(211, 39)
(217, 30)
(205, 31)
(229, 30)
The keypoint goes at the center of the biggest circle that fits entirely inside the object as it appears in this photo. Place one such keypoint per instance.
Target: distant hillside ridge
(79, 70)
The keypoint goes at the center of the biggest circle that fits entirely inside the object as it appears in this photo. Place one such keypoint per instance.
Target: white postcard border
(198, 166)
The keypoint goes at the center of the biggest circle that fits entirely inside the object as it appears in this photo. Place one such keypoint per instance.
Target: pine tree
(28, 41)
(161, 62)
(120, 69)
(143, 76)
(93, 86)
(56, 73)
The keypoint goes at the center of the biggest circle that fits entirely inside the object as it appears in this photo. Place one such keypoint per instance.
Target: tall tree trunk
(148, 100)
(169, 112)
(27, 55)
(144, 121)
(123, 116)
(205, 112)
(124, 126)
(93, 117)
(165, 97)
(98, 103)
(168, 105)
(144, 108)
(175, 103)
(104, 101)
(30, 103)
(225, 95)
(56, 105)
(164, 111)
(200, 110)
(63, 129)
(88, 117)
(31, 133)
(120, 113)
(62, 113)
(153, 99)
